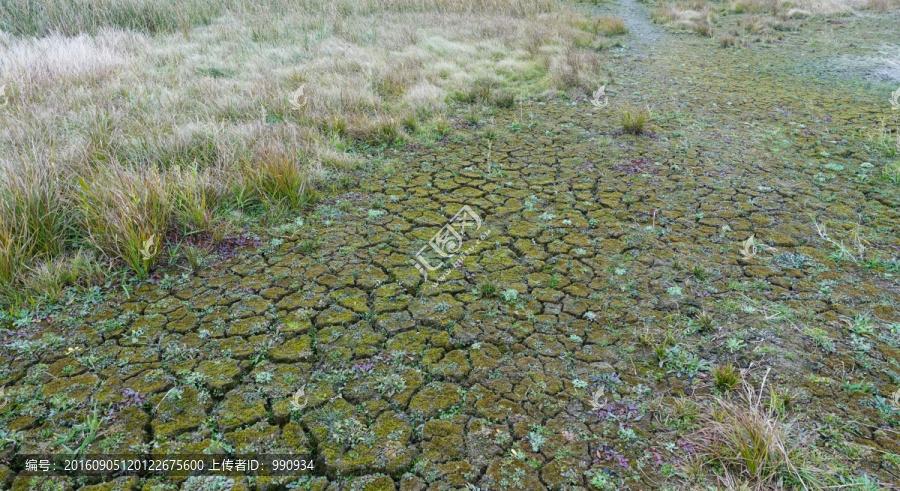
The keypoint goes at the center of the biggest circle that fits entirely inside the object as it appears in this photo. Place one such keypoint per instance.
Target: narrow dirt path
(643, 31)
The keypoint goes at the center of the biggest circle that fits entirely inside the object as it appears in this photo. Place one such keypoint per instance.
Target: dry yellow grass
(759, 16)
(201, 98)
(883, 5)
(752, 446)
(692, 15)
(609, 25)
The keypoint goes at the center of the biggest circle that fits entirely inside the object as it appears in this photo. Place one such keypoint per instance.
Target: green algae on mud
(624, 253)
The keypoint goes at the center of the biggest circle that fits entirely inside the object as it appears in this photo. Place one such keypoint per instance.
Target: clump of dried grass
(883, 5)
(682, 12)
(576, 69)
(752, 445)
(32, 228)
(756, 16)
(690, 15)
(609, 25)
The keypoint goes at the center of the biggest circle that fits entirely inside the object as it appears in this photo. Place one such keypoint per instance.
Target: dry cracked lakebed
(571, 341)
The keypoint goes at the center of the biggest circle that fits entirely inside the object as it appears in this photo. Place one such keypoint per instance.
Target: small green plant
(779, 401)
(860, 344)
(861, 386)
(821, 338)
(86, 432)
(699, 273)
(510, 295)
(891, 172)
(795, 261)
(487, 289)
(348, 431)
(679, 361)
(726, 377)
(735, 344)
(196, 256)
(554, 281)
(537, 438)
(391, 384)
(860, 324)
(308, 246)
(634, 119)
(442, 307)
(627, 435)
(602, 481)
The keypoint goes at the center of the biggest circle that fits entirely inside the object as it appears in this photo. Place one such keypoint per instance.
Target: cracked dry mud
(612, 242)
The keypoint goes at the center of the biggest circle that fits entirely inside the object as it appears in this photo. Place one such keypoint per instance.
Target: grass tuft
(634, 119)
(278, 178)
(33, 227)
(726, 377)
(487, 289)
(576, 69)
(752, 444)
(48, 279)
(727, 41)
(125, 214)
(891, 172)
(609, 25)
